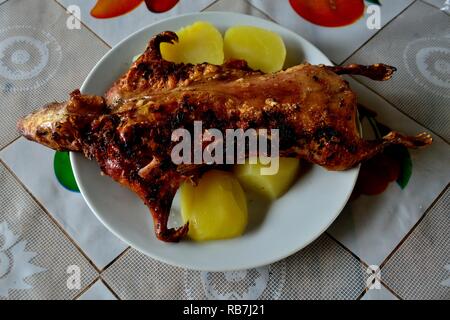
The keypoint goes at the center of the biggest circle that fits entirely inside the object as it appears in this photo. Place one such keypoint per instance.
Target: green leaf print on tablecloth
(398, 152)
(63, 171)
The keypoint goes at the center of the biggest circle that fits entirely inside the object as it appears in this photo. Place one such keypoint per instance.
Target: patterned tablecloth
(52, 246)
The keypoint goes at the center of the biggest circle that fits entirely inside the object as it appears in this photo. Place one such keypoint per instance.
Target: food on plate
(129, 130)
(197, 43)
(270, 186)
(135, 57)
(216, 208)
(262, 49)
(215, 216)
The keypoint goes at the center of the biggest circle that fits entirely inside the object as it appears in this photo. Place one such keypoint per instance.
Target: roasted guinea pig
(129, 130)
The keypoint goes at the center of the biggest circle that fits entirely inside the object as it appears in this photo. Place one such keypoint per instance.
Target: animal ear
(85, 104)
(153, 51)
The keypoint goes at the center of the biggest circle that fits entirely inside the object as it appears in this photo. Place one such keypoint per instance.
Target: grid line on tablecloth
(362, 294)
(86, 288)
(9, 143)
(46, 246)
(84, 25)
(364, 264)
(4, 2)
(385, 261)
(402, 241)
(46, 211)
(347, 249)
(417, 48)
(417, 269)
(210, 5)
(109, 288)
(261, 12)
(98, 36)
(406, 237)
(99, 278)
(115, 259)
(383, 284)
(346, 275)
(266, 16)
(400, 110)
(52, 53)
(64, 232)
(390, 290)
(376, 33)
(117, 276)
(431, 4)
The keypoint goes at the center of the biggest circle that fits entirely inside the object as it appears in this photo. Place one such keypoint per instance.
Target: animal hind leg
(369, 149)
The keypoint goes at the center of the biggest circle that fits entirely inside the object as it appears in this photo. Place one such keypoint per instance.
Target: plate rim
(75, 157)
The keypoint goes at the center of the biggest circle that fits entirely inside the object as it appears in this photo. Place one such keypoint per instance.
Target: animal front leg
(158, 189)
(378, 72)
(160, 210)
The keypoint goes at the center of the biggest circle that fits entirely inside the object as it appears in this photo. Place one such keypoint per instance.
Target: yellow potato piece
(198, 43)
(272, 187)
(216, 208)
(262, 49)
(136, 57)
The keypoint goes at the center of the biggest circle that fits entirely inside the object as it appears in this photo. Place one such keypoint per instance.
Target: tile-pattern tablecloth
(52, 247)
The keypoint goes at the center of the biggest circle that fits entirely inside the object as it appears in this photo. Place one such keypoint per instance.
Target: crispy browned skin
(129, 131)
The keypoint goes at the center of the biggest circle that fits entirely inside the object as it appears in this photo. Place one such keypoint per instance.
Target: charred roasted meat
(128, 132)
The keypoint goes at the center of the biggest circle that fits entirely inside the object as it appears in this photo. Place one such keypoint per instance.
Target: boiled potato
(262, 49)
(270, 186)
(198, 43)
(136, 57)
(216, 208)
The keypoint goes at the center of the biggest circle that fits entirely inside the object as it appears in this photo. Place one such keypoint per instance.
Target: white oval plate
(290, 223)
